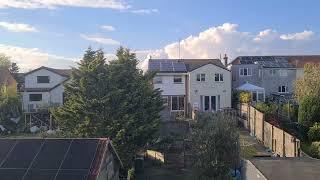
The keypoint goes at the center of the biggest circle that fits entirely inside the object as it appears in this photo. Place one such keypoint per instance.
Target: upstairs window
(35, 97)
(157, 80)
(245, 72)
(43, 79)
(273, 72)
(177, 79)
(283, 89)
(218, 77)
(201, 77)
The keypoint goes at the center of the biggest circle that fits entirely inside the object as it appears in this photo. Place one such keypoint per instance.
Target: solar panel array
(43, 159)
(167, 66)
(267, 61)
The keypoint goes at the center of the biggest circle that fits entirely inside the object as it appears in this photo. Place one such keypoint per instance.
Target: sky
(56, 33)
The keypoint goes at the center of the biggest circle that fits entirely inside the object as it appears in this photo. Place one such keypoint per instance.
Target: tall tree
(5, 61)
(114, 100)
(215, 146)
(309, 84)
(14, 68)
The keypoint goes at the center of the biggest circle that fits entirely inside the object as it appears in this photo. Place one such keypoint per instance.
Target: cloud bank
(100, 40)
(17, 27)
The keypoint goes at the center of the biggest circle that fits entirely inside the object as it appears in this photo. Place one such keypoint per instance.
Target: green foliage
(309, 110)
(309, 84)
(314, 149)
(4, 61)
(244, 97)
(113, 100)
(10, 106)
(267, 108)
(131, 174)
(215, 146)
(14, 68)
(314, 132)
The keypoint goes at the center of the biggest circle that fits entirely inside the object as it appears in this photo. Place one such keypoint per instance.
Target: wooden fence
(280, 142)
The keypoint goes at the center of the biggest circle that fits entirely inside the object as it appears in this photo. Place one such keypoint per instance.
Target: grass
(247, 147)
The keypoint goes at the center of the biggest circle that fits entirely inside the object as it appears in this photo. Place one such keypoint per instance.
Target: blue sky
(58, 32)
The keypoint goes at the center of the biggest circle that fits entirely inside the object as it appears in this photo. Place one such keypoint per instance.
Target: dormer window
(43, 79)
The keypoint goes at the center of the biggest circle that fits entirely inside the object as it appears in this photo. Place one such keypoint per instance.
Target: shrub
(244, 97)
(268, 109)
(314, 132)
(315, 149)
(131, 174)
(309, 110)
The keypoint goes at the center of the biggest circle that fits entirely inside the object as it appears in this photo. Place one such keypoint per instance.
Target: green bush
(244, 97)
(130, 174)
(268, 109)
(309, 110)
(314, 132)
(315, 149)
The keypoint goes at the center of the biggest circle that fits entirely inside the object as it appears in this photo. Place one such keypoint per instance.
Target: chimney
(225, 58)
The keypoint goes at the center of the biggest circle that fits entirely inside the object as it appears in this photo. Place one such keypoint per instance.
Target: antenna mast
(179, 48)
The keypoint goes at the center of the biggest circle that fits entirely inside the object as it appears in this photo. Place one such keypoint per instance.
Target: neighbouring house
(59, 159)
(273, 75)
(190, 85)
(7, 79)
(43, 88)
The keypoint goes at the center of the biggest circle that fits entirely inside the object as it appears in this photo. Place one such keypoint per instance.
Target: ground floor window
(210, 103)
(283, 89)
(35, 97)
(177, 103)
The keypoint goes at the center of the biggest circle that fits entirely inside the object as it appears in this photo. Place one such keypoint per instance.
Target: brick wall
(274, 138)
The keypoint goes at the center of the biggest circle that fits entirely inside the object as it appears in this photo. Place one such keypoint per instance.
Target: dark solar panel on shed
(47, 159)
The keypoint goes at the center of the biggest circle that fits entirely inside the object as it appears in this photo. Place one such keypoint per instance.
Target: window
(157, 80)
(272, 72)
(177, 79)
(201, 77)
(177, 103)
(283, 73)
(218, 77)
(245, 72)
(283, 89)
(35, 97)
(43, 79)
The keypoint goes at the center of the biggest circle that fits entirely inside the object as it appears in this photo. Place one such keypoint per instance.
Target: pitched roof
(6, 78)
(297, 61)
(62, 159)
(62, 72)
(249, 87)
(181, 65)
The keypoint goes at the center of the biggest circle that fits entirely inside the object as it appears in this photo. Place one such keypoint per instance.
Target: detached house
(190, 85)
(43, 88)
(268, 75)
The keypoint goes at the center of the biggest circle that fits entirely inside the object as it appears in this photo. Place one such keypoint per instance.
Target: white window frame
(272, 72)
(220, 77)
(184, 101)
(177, 76)
(200, 77)
(283, 73)
(249, 72)
(281, 88)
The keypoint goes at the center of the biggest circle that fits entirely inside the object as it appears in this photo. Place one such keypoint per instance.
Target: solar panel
(42, 159)
(166, 66)
(179, 66)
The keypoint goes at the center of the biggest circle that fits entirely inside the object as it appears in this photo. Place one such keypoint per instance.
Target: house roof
(249, 87)
(60, 159)
(288, 168)
(278, 61)
(62, 72)
(181, 65)
(5, 77)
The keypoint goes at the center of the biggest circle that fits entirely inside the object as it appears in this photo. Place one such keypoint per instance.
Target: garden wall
(276, 139)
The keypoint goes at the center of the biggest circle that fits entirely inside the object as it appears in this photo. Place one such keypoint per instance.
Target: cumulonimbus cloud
(227, 38)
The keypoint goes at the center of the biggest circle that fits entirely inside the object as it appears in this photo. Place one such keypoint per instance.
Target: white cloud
(108, 28)
(17, 27)
(305, 35)
(30, 58)
(50, 4)
(145, 11)
(100, 40)
(227, 38)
